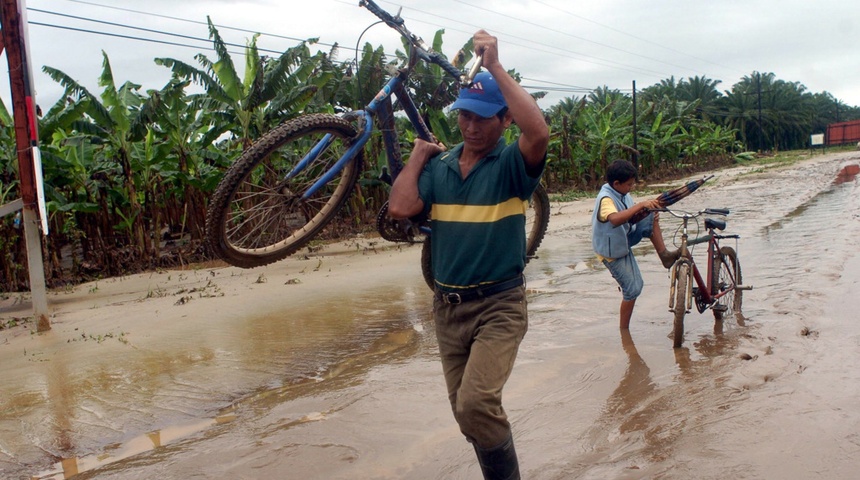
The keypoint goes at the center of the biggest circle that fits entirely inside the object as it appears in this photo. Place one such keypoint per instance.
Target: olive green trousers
(478, 343)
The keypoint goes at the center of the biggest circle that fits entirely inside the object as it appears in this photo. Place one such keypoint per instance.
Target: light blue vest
(608, 240)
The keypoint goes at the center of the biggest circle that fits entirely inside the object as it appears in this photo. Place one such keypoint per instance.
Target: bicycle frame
(705, 298)
(258, 218)
(381, 108)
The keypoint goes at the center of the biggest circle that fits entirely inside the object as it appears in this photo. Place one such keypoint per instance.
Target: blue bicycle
(292, 182)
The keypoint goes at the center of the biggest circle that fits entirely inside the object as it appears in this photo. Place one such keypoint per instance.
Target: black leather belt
(456, 298)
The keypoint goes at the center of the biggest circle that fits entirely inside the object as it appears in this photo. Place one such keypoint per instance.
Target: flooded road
(345, 383)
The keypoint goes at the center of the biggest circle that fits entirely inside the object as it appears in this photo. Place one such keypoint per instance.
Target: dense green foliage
(128, 173)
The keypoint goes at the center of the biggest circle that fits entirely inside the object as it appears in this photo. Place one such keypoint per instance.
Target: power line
(583, 57)
(196, 22)
(117, 35)
(558, 88)
(565, 88)
(568, 34)
(622, 32)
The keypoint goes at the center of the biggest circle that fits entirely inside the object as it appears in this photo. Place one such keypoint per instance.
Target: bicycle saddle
(714, 223)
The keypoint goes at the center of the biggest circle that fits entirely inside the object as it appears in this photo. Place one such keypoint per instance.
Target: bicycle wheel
(682, 279)
(727, 273)
(258, 213)
(427, 264)
(537, 221)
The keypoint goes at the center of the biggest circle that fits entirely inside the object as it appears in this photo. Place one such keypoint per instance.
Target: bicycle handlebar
(683, 214)
(426, 53)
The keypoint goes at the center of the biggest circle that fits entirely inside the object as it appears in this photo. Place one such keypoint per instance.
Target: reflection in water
(847, 174)
(115, 414)
(345, 371)
(312, 387)
(633, 389)
(642, 422)
(626, 421)
(61, 398)
(69, 467)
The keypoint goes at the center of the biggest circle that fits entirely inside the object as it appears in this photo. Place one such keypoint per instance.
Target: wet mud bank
(324, 365)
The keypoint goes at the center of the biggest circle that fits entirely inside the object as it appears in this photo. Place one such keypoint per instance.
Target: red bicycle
(721, 290)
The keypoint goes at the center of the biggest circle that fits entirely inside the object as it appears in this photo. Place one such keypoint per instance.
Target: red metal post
(23, 109)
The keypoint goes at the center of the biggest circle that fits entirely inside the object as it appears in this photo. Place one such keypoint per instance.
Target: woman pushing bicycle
(476, 194)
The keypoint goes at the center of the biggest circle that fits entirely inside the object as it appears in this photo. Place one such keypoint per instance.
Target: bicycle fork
(688, 295)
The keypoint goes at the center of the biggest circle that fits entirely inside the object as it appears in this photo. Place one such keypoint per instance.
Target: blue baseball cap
(483, 98)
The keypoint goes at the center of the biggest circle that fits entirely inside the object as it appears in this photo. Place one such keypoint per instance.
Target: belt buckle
(452, 298)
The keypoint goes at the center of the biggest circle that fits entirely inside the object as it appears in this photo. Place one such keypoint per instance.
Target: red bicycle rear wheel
(727, 275)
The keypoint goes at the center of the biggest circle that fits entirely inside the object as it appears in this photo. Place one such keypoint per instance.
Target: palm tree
(740, 107)
(704, 91)
(666, 88)
(789, 115)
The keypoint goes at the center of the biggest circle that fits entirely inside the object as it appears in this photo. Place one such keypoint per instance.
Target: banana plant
(190, 127)
(271, 89)
(114, 120)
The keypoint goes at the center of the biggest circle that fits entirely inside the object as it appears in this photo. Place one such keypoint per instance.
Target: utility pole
(760, 128)
(635, 130)
(13, 25)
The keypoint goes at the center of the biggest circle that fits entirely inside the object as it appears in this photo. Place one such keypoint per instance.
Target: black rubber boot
(500, 462)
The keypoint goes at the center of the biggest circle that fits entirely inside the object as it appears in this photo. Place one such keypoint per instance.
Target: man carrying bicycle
(476, 195)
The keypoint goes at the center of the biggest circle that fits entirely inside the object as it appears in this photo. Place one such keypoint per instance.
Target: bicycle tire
(727, 271)
(537, 221)
(682, 279)
(256, 217)
(427, 264)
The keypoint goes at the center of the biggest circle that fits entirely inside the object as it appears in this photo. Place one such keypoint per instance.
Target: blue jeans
(640, 230)
(625, 270)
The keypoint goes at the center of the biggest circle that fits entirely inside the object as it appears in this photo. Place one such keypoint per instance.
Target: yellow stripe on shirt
(478, 213)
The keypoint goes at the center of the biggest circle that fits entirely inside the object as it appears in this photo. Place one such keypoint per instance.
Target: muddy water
(352, 388)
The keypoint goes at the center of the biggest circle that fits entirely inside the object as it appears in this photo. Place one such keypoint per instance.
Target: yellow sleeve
(607, 208)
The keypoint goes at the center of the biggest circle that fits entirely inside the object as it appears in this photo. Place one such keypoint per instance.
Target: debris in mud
(293, 281)
(183, 300)
(806, 332)
(261, 279)
(747, 356)
(14, 322)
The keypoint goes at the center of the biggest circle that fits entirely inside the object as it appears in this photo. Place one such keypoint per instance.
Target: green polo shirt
(478, 223)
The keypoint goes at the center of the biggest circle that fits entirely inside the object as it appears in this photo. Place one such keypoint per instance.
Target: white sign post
(817, 139)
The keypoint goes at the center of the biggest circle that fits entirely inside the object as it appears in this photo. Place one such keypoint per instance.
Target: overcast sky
(568, 46)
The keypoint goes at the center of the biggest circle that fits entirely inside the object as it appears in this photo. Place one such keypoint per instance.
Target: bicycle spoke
(257, 214)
